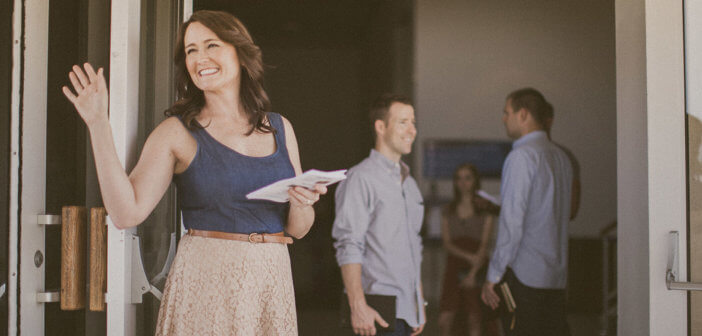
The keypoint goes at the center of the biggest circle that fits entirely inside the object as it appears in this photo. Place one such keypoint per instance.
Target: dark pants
(539, 312)
(401, 329)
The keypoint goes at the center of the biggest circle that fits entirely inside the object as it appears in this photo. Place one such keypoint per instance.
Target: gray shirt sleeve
(353, 209)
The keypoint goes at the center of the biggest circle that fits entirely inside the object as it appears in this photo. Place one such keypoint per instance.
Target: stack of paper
(494, 200)
(278, 191)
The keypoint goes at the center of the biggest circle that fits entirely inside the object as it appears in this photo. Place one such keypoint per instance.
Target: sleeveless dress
(466, 235)
(227, 287)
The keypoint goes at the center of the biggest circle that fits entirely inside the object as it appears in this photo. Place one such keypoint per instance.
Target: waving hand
(90, 98)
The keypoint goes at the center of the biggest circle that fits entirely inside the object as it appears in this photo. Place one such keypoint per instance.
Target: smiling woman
(210, 39)
(220, 143)
(211, 63)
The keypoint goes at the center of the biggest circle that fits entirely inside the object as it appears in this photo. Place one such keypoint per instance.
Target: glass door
(158, 236)
(141, 87)
(132, 40)
(674, 81)
(54, 154)
(78, 32)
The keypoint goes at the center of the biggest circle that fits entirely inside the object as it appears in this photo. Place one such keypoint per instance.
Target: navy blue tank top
(212, 190)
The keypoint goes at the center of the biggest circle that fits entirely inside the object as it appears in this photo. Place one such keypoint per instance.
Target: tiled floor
(324, 323)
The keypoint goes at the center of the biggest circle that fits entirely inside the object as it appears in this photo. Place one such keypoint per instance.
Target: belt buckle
(251, 238)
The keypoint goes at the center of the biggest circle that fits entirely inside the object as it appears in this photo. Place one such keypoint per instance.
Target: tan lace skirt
(226, 287)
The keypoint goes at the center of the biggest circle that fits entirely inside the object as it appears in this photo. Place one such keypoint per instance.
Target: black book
(506, 308)
(383, 304)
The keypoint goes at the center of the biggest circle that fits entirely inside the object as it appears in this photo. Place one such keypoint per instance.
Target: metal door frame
(124, 117)
(667, 181)
(28, 169)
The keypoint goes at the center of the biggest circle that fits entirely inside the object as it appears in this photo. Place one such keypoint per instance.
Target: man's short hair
(381, 106)
(534, 102)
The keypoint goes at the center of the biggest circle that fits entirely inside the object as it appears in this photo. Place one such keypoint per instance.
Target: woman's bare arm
(301, 215)
(128, 199)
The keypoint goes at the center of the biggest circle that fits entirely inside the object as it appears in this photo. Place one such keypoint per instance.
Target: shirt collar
(529, 137)
(392, 167)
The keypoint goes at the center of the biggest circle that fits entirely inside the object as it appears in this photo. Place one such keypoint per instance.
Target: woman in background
(466, 231)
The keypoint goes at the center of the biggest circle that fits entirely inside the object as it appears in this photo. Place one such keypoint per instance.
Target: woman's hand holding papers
(302, 191)
(302, 197)
(301, 216)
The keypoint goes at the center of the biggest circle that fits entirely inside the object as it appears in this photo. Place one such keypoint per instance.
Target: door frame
(693, 100)
(124, 118)
(27, 198)
(124, 107)
(13, 232)
(667, 160)
(651, 160)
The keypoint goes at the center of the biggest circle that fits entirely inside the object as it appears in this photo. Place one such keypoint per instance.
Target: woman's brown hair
(481, 205)
(190, 99)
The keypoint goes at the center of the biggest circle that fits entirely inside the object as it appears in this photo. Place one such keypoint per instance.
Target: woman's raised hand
(90, 98)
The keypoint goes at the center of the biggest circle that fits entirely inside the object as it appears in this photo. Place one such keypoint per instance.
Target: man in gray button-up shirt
(531, 252)
(379, 212)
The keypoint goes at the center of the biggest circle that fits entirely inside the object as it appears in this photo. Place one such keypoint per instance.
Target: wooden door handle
(73, 255)
(98, 258)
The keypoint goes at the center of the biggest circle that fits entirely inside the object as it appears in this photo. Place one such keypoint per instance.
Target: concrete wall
(470, 54)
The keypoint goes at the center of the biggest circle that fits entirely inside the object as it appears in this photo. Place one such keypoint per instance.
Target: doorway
(458, 60)
(326, 62)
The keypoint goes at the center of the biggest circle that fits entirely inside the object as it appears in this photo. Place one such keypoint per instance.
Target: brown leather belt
(277, 237)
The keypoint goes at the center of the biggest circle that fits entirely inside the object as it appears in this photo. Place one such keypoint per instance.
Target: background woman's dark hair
(534, 102)
(481, 205)
(190, 99)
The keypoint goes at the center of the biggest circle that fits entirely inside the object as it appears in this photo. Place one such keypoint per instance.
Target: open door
(141, 88)
(50, 164)
(673, 81)
(51, 167)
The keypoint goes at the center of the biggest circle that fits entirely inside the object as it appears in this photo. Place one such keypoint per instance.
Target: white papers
(494, 200)
(278, 191)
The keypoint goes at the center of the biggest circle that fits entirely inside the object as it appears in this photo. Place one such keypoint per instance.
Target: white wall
(470, 54)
